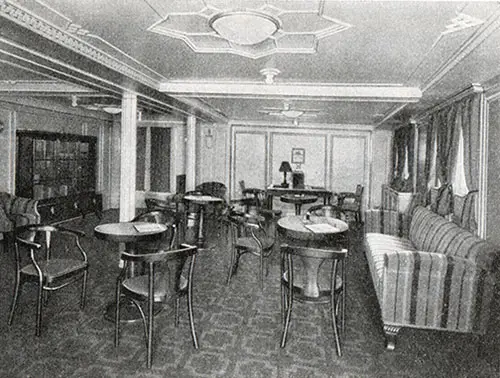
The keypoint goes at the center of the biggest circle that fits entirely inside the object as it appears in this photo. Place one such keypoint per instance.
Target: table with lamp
(284, 188)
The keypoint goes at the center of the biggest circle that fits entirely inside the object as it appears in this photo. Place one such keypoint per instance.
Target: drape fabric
(403, 152)
(443, 137)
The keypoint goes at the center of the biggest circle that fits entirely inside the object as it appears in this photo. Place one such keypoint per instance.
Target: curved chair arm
(78, 233)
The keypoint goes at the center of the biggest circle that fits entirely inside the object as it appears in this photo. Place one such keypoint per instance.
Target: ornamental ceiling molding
(299, 26)
(64, 32)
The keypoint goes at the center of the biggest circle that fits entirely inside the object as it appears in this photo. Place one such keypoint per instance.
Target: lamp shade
(285, 167)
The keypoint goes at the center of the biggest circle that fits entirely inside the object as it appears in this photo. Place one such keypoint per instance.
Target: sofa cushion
(422, 223)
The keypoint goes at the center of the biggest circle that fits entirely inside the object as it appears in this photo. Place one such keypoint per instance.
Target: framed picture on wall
(298, 155)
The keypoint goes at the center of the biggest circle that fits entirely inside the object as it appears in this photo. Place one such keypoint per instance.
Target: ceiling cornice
(29, 50)
(317, 91)
(46, 87)
(66, 34)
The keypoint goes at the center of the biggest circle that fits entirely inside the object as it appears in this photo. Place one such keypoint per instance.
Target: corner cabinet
(58, 170)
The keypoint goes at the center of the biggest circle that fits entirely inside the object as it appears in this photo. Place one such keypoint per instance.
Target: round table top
(125, 232)
(316, 228)
(202, 200)
(298, 198)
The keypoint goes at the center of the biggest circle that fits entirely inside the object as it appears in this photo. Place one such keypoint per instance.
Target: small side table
(203, 201)
(298, 200)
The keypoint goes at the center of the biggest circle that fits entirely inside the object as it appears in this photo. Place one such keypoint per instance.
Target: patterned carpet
(238, 326)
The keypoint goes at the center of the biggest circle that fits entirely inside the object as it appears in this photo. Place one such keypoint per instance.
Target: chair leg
(176, 312)
(190, 303)
(151, 300)
(231, 265)
(261, 274)
(289, 301)
(344, 296)
(84, 290)
(282, 290)
(332, 308)
(14, 298)
(39, 306)
(117, 314)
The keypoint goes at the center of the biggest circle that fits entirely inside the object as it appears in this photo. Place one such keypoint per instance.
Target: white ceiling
(394, 54)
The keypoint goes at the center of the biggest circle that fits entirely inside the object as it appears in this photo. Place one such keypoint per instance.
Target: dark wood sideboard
(58, 170)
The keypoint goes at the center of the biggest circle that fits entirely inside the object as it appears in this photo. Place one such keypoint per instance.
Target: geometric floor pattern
(239, 329)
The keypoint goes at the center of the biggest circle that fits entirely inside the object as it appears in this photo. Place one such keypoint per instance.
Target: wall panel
(314, 145)
(349, 162)
(250, 160)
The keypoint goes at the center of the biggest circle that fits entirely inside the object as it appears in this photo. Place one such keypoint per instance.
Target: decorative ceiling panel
(299, 26)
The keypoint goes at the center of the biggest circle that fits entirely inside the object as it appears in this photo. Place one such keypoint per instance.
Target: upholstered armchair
(16, 211)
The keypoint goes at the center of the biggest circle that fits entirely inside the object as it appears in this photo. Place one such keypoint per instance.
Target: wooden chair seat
(56, 268)
(139, 286)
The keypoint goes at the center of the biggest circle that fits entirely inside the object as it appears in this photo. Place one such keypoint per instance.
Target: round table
(129, 233)
(298, 200)
(202, 200)
(315, 232)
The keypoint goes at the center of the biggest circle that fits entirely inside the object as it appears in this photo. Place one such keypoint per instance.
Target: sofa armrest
(22, 219)
(26, 207)
(434, 290)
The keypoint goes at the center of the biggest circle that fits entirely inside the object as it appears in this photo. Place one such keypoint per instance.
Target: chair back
(173, 261)
(168, 217)
(35, 243)
(247, 225)
(212, 188)
(327, 211)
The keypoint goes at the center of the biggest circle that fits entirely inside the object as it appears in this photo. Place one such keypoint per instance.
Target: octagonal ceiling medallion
(265, 28)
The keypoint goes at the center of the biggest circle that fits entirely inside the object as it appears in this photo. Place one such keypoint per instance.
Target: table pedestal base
(128, 312)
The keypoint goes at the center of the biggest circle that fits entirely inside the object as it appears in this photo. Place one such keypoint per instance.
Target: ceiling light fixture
(112, 109)
(292, 113)
(244, 27)
(269, 73)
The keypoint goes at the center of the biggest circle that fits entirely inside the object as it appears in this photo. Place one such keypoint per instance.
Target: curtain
(402, 159)
(470, 129)
(445, 127)
(447, 142)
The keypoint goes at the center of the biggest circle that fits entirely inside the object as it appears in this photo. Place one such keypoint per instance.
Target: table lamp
(285, 167)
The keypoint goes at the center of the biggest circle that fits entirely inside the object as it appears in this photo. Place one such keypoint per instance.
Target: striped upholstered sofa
(439, 277)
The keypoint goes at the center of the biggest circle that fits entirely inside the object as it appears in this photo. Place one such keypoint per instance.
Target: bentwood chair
(164, 280)
(327, 211)
(248, 234)
(53, 258)
(253, 197)
(332, 293)
(351, 202)
(168, 217)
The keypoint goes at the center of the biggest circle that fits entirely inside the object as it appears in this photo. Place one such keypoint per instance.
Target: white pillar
(191, 153)
(128, 156)
(178, 154)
